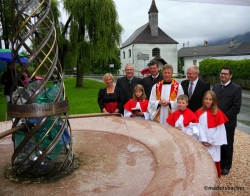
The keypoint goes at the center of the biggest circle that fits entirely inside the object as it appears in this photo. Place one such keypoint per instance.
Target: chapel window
(129, 53)
(156, 52)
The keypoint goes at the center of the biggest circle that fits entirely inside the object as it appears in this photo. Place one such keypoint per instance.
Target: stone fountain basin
(168, 162)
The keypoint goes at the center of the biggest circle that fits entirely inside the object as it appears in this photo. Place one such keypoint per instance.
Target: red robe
(188, 116)
(213, 120)
(131, 104)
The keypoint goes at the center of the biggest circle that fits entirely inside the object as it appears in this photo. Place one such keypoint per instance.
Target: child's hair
(139, 87)
(182, 97)
(214, 107)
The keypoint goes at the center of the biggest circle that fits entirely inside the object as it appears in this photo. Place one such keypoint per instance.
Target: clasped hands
(206, 144)
(105, 111)
(164, 102)
(137, 113)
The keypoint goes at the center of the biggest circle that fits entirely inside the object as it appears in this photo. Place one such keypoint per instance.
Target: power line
(228, 2)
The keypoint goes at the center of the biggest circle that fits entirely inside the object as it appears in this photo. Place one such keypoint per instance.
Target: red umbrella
(145, 71)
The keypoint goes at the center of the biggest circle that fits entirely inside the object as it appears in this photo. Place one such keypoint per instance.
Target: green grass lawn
(81, 100)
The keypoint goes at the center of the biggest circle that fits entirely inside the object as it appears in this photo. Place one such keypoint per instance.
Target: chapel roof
(143, 36)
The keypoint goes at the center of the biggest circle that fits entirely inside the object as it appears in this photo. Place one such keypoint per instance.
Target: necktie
(190, 91)
(154, 78)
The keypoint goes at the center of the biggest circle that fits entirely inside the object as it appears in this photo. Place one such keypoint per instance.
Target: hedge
(210, 70)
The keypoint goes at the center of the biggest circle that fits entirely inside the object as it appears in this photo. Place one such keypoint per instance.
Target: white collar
(226, 83)
(155, 76)
(194, 82)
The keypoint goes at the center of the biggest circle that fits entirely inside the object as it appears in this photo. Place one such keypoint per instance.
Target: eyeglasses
(225, 74)
(189, 73)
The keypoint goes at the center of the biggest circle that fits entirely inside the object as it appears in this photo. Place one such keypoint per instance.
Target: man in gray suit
(128, 82)
(194, 88)
(229, 98)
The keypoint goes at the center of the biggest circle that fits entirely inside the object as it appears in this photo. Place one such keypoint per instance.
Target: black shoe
(224, 171)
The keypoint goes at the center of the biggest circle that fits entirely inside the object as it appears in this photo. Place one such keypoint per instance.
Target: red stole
(132, 104)
(188, 116)
(173, 94)
(213, 120)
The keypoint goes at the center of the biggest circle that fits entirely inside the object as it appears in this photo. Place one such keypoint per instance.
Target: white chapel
(147, 43)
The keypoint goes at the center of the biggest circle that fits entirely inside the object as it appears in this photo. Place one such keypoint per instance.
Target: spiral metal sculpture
(43, 147)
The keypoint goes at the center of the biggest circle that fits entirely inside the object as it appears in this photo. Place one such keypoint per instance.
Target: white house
(149, 42)
(232, 51)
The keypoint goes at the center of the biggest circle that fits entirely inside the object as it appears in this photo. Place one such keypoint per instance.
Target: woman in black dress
(110, 99)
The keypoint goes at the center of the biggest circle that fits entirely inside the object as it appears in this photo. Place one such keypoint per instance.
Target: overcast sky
(186, 21)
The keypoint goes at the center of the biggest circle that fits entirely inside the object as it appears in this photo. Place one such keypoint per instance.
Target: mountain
(237, 39)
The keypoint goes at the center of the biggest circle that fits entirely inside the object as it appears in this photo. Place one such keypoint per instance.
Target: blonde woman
(110, 99)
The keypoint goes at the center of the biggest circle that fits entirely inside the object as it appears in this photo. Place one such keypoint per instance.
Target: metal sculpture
(43, 146)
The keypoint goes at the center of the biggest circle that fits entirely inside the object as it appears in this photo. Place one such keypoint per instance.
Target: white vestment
(191, 129)
(215, 136)
(165, 93)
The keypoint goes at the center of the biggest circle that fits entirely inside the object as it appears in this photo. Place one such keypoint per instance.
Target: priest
(163, 97)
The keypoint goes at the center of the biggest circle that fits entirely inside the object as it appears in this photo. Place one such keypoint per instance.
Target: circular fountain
(115, 155)
(120, 156)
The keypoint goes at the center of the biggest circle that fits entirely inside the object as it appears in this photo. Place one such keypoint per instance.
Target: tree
(180, 65)
(103, 66)
(6, 21)
(94, 33)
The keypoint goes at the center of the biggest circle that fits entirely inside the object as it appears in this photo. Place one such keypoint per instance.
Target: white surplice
(128, 113)
(165, 94)
(215, 136)
(191, 129)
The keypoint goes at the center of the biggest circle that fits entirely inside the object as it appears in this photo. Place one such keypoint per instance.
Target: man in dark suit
(128, 82)
(149, 81)
(229, 98)
(194, 88)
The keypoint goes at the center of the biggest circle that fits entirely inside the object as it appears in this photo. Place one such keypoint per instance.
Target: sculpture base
(36, 178)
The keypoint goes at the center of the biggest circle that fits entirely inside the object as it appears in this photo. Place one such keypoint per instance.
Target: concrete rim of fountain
(183, 165)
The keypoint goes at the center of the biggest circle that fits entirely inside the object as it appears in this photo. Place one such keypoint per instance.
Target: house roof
(216, 50)
(143, 36)
(243, 48)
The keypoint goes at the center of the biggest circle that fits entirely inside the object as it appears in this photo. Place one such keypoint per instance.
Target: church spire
(153, 8)
(153, 19)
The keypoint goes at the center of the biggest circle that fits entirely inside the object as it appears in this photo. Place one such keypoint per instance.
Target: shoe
(224, 171)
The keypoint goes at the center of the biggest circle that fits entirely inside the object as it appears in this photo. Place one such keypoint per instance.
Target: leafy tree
(94, 33)
(89, 38)
(5, 22)
(180, 65)
(103, 66)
